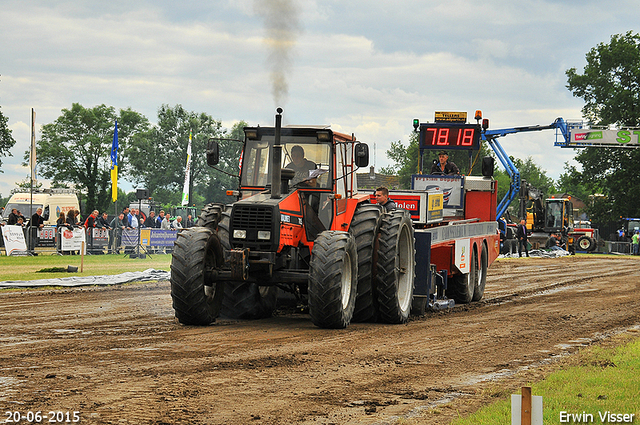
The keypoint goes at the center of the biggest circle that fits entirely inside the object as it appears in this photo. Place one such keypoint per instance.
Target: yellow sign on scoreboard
(451, 117)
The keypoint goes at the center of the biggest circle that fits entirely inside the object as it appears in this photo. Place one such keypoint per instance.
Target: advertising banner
(71, 239)
(130, 237)
(158, 237)
(100, 238)
(47, 237)
(451, 187)
(624, 138)
(14, 241)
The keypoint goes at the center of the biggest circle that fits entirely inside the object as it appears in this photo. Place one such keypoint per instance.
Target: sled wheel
(481, 274)
(462, 286)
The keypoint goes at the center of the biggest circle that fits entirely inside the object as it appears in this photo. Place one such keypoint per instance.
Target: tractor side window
(255, 164)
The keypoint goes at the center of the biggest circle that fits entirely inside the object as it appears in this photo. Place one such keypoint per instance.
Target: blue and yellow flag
(114, 165)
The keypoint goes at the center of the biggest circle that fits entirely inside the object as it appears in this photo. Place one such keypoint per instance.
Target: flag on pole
(185, 190)
(32, 158)
(114, 165)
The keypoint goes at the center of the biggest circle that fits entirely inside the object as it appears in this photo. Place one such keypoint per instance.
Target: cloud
(367, 68)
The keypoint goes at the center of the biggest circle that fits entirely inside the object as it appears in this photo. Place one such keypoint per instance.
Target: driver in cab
(300, 164)
(443, 166)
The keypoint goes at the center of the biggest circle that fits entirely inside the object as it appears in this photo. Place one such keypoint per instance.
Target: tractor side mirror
(213, 156)
(362, 155)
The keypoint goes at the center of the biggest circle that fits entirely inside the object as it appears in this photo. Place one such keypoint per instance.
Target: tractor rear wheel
(396, 267)
(481, 275)
(333, 279)
(196, 297)
(210, 216)
(364, 228)
(462, 286)
(247, 300)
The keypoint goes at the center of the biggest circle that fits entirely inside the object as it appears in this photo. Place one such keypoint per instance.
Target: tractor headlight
(240, 234)
(264, 235)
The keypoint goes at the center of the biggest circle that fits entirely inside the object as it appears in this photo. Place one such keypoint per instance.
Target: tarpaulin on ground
(540, 253)
(147, 275)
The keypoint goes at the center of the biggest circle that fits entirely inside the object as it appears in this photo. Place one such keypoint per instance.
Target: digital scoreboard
(449, 136)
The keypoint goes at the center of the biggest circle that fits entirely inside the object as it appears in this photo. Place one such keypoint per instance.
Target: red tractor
(298, 225)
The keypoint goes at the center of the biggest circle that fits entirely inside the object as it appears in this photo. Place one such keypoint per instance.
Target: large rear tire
(247, 300)
(364, 228)
(481, 280)
(396, 267)
(461, 287)
(333, 278)
(196, 297)
(210, 216)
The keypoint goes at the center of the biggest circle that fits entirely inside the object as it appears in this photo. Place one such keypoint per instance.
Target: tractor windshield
(554, 214)
(304, 155)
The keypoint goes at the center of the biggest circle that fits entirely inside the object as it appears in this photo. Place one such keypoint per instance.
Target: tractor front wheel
(196, 297)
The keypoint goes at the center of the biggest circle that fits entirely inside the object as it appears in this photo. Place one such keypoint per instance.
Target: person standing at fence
(166, 223)
(177, 223)
(13, 217)
(133, 219)
(119, 224)
(635, 243)
(151, 221)
(102, 221)
(37, 222)
(160, 218)
(189, 222)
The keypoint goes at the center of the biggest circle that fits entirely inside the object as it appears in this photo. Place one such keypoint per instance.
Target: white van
(52, 202)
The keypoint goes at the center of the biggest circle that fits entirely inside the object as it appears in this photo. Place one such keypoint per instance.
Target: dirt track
(117, 355)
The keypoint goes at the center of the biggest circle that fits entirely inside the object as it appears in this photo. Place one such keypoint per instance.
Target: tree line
(73, 151)
(609, 178)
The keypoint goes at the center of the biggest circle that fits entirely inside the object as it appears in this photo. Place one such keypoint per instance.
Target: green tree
(225, 175)
(610, 87)
(75, 150)
(157, 157)
(6, 139)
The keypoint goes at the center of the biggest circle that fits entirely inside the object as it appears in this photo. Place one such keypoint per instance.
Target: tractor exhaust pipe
(276, 159)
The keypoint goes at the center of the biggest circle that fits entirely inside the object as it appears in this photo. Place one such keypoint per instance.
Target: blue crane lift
(491, 136)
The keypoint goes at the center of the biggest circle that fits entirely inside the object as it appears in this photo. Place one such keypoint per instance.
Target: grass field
(26, 268)
(595, 381)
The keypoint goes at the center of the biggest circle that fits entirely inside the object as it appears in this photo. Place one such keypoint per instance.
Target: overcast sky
(364, 67)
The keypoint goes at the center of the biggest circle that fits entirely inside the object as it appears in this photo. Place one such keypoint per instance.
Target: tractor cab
(558, 215)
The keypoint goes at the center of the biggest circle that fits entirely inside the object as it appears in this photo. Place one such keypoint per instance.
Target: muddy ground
(117, 355)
